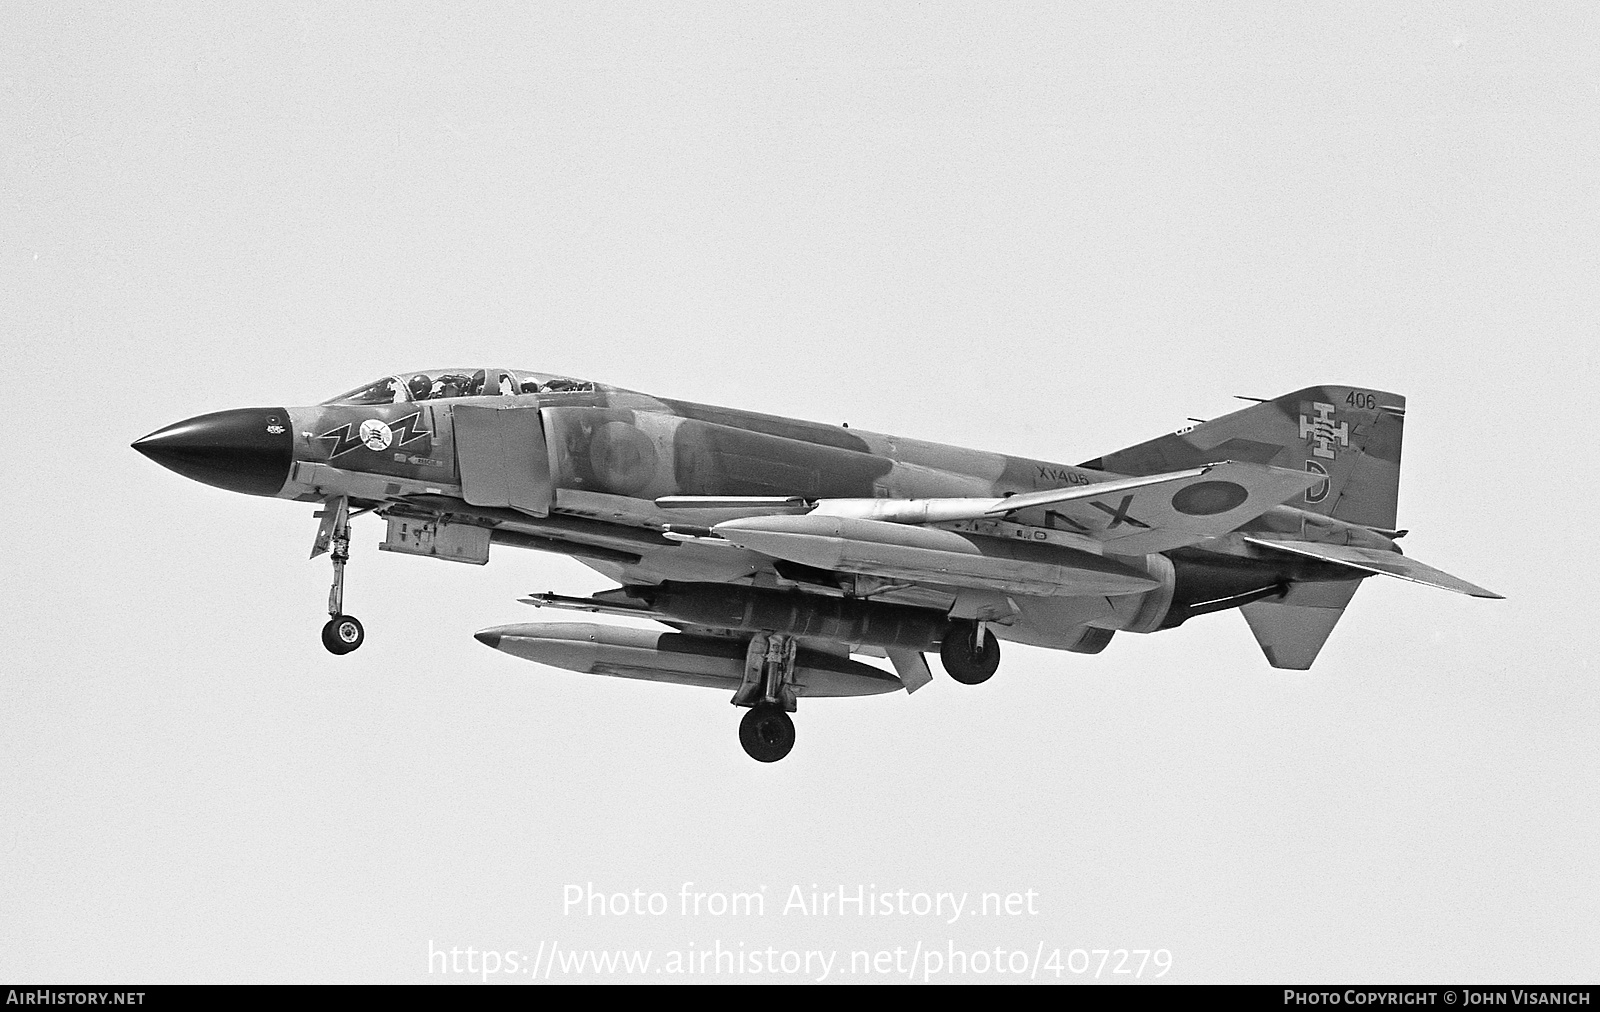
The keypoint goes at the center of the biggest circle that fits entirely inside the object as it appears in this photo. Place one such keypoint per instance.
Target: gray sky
(1045, 230)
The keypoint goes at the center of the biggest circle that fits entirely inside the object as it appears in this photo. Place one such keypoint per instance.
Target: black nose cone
(244, 450)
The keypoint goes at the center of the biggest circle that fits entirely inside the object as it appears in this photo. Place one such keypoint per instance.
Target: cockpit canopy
(438, 384)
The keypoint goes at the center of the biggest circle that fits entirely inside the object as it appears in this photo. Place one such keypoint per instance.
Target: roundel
(1206, 498)
(376, 435)
(623, 458)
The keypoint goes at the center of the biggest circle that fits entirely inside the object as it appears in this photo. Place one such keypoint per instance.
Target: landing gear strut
(766, 732)
(970, 652)
(343, 633)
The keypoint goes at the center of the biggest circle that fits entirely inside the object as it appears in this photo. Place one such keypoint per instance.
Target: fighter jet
(775, 552)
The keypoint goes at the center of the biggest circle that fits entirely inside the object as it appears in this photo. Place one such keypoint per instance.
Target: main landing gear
(766, 732)
(343, 633)
(970, 653)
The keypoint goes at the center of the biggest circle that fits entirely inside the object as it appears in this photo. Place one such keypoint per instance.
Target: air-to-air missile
(776, 548)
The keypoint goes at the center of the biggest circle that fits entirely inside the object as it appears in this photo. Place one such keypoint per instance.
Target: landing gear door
(503, 459)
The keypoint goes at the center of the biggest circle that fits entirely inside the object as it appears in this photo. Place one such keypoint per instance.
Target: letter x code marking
(1120, 514)
(1051, 516)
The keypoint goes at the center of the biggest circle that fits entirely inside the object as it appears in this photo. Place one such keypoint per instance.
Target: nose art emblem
(376, 435)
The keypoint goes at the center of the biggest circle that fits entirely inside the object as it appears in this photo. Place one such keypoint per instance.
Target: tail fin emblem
(1320, 431)
(1319, 492)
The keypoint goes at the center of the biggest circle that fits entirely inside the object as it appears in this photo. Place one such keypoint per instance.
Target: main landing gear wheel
(766, 732)
(970, 653)
(342, 634)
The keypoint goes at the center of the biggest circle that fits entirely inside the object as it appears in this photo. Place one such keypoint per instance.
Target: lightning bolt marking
(409, 429)
(344, 442)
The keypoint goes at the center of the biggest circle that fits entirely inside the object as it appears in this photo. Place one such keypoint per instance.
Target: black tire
(342, 634)
(766, 733)
(963, 659)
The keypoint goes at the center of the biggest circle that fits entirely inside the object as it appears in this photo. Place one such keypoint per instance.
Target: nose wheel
(343, 633)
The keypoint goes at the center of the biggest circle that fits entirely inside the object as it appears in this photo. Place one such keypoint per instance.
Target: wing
(1141, 516)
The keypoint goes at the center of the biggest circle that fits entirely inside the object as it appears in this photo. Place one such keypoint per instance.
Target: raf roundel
(376, 435)
(1208, 498)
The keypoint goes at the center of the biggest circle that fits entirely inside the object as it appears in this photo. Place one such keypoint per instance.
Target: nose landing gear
(343, 633)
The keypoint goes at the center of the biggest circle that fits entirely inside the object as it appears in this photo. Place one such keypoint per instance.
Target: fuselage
(576, 467)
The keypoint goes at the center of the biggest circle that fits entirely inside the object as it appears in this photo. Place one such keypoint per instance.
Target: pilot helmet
(419, 385)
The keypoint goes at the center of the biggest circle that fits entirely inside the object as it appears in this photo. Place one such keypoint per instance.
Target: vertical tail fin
(1350, 434)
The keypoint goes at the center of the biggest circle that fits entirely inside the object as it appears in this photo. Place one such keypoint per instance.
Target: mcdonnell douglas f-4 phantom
(777, 549)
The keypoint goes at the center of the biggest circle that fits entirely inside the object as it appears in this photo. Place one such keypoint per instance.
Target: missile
(711, 662)
(753, 609)
(932, 555)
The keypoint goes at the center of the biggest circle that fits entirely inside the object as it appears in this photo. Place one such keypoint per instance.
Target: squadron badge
(375, 435)
(1324, 438)
(1320, 431)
